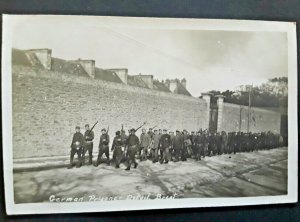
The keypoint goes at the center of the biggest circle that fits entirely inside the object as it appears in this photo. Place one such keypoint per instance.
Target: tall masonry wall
(260, 119)
(47, 106)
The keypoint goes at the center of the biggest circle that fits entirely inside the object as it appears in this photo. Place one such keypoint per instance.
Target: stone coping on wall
(252, 108)
(27, 71)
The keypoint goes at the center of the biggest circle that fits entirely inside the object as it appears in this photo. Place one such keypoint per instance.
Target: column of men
(163, 146)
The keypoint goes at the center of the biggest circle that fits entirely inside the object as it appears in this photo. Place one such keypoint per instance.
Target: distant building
(42, 59)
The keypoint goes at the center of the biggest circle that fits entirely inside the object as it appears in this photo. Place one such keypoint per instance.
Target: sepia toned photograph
(119, 113)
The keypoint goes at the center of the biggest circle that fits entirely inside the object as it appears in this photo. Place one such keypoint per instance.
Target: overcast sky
(209, 60)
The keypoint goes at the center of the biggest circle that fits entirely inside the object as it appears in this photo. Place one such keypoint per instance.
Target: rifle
(107, 129)
(154, 127)
(140, 126)
(92, 128)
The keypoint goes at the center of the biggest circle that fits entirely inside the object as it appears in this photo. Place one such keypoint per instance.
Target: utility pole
(249, 107)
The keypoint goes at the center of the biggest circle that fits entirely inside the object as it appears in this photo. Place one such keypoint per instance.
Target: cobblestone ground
(258, 173)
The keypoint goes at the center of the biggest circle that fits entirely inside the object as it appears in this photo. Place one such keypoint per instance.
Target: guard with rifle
(76, 147)
(132, 147)
(88, 145)
(103, 147)
(117, 149)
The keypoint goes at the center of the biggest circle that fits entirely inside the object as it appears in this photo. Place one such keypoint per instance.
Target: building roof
(28, 58)
(182, 90)
(160, 86)
(136, 81)
(64, 66)
(20, 57)
(106, 75)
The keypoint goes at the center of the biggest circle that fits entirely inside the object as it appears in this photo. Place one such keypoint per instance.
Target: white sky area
(209, 60)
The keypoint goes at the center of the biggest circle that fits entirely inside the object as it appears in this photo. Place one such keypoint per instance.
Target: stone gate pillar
(206, 97)
(220, 103)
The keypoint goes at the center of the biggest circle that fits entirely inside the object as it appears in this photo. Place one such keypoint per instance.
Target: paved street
(258, 173)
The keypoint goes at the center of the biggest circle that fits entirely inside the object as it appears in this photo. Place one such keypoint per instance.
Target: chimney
(183, 82)
(173, 85)
(121, 73)
(42, 55)
(88, 66)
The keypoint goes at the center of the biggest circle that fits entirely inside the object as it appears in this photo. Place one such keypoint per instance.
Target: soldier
(76, 147)
(132, 147)
(171, 150)
(205, 143)
(193, 145)
(154, 150)
(150, 133)
(159, 132)
(197, 146)
(186, 144)
(238, 140)
(150, 148)
(103, 147)
(117, 149)
(145, 142)
(212, 144)
(177, 145)
(164, 145)
(224, 143)
(88, 145)
(124, 138)
(218, 139)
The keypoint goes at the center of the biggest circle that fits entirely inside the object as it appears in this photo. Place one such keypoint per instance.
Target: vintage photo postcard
(122, 113)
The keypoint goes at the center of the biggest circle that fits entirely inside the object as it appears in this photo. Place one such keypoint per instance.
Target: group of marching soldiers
(163, 146)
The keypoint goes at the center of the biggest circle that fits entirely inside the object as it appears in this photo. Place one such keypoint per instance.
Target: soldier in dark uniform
(103, 147)
(197, 146)
(213, 144)
(132, 147)
(171, 150)
(117, 149)
(76, 147)
(205, 143)
(193, 145)
(88, 145)
(177, 145)
(224, 143)
(239, 142)
(164, 145)
(218, 139)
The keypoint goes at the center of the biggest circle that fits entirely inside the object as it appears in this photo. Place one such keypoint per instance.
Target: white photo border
(123, 205)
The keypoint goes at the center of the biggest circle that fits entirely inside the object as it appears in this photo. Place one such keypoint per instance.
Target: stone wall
(48, 105)
(260, 120)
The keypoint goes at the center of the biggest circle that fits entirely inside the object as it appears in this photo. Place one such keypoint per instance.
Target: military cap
(132, 130)
(165, 130)
(177, 131)
(77, 127)
(103, 130)
(118, 133)
(86, 125)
